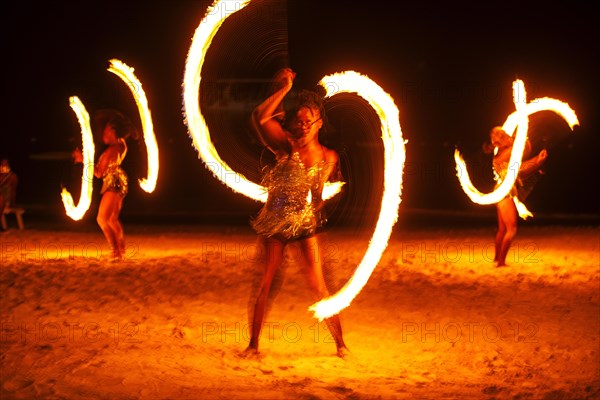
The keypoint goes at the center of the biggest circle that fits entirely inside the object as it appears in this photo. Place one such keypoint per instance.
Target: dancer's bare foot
(343, 352)
(250, 353)
(116, 256)
(122, 250)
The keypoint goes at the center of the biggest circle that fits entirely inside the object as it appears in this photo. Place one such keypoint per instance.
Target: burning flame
(87, 139)
(518, 120)
(126, 74)
(394, 156)
(198, 130)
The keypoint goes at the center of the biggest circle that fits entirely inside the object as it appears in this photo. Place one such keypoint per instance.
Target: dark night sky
(449, 68)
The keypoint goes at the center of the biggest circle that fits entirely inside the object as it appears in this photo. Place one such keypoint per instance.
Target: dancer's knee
(102, 221)
(114, 222)
(510, 233)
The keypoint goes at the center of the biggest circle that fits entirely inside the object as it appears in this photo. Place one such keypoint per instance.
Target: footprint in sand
(17, 383)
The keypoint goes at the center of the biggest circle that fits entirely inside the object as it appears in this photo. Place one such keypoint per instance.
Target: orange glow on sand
(168, 323)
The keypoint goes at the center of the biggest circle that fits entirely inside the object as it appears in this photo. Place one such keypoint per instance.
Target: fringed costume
(294, 206)
(115, 178)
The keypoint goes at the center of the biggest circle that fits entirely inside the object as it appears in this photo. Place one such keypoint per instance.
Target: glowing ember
(198, 130)
(394, 156)
(518, 120)
(87, 139)
(126, 74)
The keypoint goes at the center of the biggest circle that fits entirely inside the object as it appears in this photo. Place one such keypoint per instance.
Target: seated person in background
(8, 186)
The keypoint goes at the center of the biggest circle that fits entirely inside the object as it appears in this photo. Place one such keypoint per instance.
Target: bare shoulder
(331, 156)
(113, 151)
(331, 159)
(110, 154)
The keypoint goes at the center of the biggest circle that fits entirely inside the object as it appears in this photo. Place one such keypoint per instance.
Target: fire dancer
(302, 167)
(115, 129)
(528, 174)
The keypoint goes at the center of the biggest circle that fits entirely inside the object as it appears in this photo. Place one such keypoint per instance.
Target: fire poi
(518, 120)
(148, 184)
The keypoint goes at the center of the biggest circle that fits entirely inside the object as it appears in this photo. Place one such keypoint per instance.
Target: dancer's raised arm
(267, 117)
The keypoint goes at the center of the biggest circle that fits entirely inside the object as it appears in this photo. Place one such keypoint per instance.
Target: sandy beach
(436, 319)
